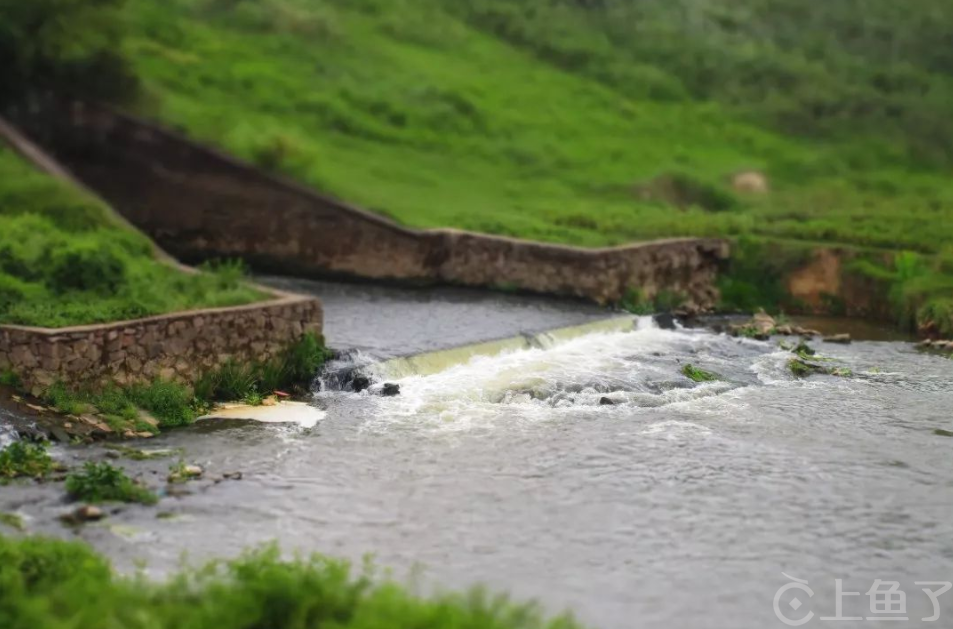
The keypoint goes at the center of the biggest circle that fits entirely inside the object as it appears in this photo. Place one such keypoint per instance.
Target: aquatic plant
(52, 583)
(801, 368)
(804, 351)
(12, 520)
(22, 459)
(699, 375)
(102, 482)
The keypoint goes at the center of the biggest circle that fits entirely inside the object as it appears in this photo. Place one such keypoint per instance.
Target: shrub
(22, 459)
(14, 290)
(101, 482)
(87, 267)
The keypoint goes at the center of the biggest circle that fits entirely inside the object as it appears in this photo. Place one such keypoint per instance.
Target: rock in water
(390, 389)
(86, 513)
(843, 339)
(604, 401)
(359, 383)
(665, 321)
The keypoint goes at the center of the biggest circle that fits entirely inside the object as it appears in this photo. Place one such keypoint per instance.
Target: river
(678, 505)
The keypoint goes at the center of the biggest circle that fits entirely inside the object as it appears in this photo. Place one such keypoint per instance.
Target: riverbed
(585, 472)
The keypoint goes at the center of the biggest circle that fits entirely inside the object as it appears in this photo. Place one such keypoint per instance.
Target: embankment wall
(179, 346)
(198, 203)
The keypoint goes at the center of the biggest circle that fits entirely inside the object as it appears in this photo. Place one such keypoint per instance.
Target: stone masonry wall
(178, 346)
(198, 203)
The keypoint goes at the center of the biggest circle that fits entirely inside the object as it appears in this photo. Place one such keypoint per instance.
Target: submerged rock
(390, 389)
(843, 339)
(665, 321)
(604, 401)
(360, 383)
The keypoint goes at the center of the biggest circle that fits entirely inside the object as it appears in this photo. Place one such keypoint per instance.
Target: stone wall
(198, 203)
(179, 346)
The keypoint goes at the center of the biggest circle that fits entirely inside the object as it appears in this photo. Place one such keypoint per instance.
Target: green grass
(64, 260)
(438, 115)
(292, 370)
(102, 482)
(57, 584)
(24, 460)
(584, 123)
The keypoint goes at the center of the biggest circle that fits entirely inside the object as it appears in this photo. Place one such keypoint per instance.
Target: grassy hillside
(590, 122)
(543, 119)
(64, 260)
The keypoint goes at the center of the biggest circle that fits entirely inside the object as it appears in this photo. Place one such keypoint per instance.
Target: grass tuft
(102, 482)
(26, 460)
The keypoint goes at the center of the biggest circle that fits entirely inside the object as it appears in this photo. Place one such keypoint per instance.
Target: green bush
(14, 291)
(88, 267)
(102, 482)
(55, 584)
(22, 459)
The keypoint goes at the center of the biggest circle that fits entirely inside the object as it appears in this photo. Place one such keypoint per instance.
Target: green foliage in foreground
(65, 260)
(58, 585)
(102, 482)
(698, 375)
(22, 459)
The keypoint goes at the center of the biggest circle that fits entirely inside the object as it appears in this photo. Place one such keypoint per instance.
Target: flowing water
(678, 505)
